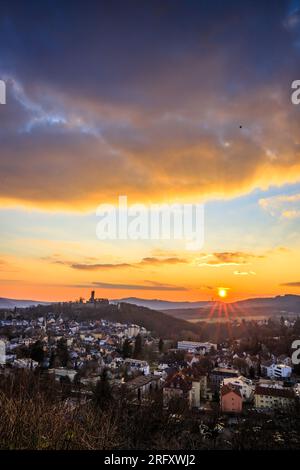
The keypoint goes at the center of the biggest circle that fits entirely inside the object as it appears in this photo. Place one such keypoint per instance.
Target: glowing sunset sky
(163, 102)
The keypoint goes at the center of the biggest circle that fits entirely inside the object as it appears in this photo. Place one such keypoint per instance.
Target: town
(220, 387)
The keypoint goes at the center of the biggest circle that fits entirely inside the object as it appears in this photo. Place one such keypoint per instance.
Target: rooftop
(275, 392)
(228, 389)
(224, 370)
(141, 380)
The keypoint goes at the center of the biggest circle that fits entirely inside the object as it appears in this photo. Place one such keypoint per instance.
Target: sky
(164, 102)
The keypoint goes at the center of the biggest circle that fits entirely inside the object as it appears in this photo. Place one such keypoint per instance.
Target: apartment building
(196, 346)
(279, 371)
(219, 374)
(266, 397)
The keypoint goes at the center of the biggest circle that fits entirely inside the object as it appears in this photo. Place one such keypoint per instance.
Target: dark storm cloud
(121, 50)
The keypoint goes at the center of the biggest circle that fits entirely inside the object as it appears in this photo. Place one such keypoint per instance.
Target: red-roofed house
(231, 399)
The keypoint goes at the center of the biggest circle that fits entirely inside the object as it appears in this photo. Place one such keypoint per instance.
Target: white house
(245, 386)
(132, 331)
(135, 364)
(63, 372)
(195, 346)
(279, 371)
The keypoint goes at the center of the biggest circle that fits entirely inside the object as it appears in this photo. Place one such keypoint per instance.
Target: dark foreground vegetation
(39, 413)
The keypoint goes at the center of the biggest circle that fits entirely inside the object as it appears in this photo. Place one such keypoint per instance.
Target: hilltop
(160, 324)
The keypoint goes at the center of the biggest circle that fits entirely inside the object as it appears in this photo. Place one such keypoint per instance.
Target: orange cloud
(227, 258)
(148, 261)
(78, 157)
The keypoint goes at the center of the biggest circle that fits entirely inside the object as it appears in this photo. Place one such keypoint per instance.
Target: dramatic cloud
(127, 99)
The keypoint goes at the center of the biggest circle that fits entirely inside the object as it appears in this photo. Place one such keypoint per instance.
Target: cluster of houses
(274, 390)
(91, 345)
(263, 394)
(184, 379)
(97, 345)
(234, 390)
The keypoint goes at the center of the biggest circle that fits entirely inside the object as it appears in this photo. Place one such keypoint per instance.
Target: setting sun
(222, 292)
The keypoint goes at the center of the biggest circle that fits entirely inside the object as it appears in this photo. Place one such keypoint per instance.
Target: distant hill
(157, 304)
(12, 303)
(159, 323)
(282, 302)
(287, 302)
(258, 307)
(172, 318)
